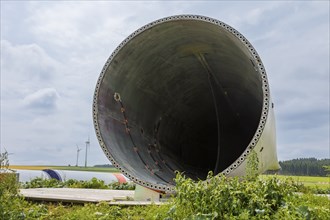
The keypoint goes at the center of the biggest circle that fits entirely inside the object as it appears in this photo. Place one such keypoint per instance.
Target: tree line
(104, 165)
(305, 167)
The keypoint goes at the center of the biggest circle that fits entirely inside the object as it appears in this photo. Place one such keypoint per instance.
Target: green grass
(309, 181)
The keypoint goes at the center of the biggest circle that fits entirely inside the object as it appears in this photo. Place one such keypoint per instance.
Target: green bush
(91, 184)
(220, 197)
(122, 186)
(12, 204)
(42, 183)
(94, 183)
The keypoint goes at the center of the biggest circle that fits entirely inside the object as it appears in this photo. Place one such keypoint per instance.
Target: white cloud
(24, 69)
(44, 99)
(31, 61)
(92, 25)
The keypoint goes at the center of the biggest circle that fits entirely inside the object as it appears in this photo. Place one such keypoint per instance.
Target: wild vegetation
(4, 162)
(218, 197)
(248, 198)
(71, 183)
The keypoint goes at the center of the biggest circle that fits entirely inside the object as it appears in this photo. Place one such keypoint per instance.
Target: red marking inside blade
(120, 177)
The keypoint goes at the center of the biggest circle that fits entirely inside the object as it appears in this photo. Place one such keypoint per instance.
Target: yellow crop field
(28, 167)
(91, 169)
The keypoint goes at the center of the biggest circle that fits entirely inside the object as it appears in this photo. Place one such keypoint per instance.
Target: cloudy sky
(52, 54)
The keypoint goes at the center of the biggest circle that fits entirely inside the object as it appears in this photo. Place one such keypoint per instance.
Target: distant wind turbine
(6, 152)
(78, 150)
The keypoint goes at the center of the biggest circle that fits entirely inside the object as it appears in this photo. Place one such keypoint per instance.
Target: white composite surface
(76, 195)
(114, 197)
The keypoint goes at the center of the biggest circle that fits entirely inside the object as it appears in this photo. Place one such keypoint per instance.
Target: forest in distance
(305, 167)
(295, 167)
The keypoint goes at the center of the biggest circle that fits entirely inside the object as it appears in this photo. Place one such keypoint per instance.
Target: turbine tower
(197, 83)
(87, 145)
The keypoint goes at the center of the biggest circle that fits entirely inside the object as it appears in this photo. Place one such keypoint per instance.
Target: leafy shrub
(221, 198)
(91, 184)
(94, 183)
(43, 183)
(122, 186)
(317, 190)
(13, 205)
(252, 168)
(9, 197)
